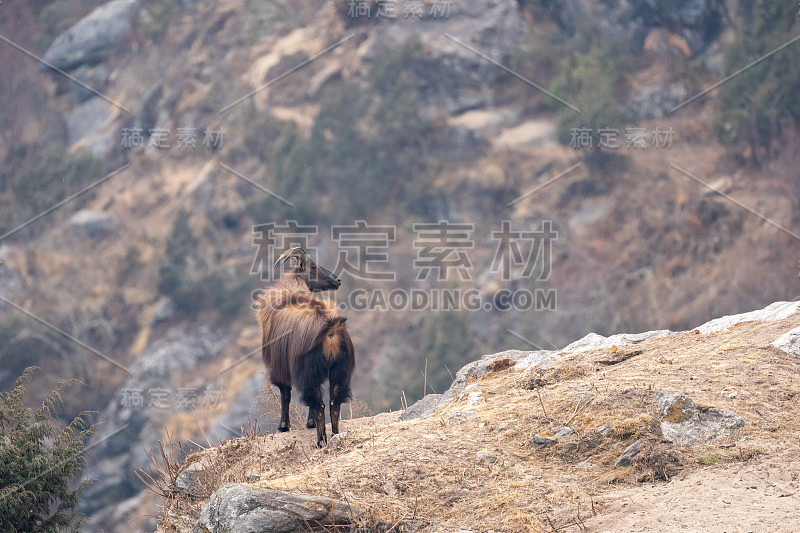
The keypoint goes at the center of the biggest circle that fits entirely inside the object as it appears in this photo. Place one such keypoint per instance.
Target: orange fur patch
(332, 343)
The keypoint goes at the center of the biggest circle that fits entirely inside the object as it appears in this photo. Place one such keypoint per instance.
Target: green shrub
(753, 109)
(37, 462)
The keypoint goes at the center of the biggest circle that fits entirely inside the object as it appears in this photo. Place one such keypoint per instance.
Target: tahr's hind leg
(339, 379)
(286, 397)
(312, 396)
(335, 407)
(311, 421)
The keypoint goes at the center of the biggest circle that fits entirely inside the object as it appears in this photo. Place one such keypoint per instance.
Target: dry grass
(426, 475)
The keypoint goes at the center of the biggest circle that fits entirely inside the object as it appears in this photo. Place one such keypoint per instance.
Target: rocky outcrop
(456, 76)
(684, 423)
(656, 101)
(93, 38)
(522, 361)
(789, 342)
(88, 126)
(698, 22)
(626, 458)
(239, 508)
(775, 311)
(715, 421)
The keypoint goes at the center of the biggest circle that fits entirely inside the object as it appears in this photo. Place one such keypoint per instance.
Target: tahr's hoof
(310, 423)
(283, 427)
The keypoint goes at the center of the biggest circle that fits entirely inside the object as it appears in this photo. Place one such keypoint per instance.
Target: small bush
(37, 462)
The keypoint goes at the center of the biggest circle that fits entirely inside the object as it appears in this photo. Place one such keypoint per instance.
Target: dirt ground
(760, 495)
(474, 467)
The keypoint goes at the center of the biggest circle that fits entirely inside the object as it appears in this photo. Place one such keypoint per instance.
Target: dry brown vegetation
(432, 474)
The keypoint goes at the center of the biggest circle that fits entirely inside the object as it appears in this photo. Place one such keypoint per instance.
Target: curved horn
(296, 252)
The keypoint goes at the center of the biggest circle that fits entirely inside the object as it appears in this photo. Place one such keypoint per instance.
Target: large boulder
(240, 508)
(94, 37)
(684, 423)
(89, 126)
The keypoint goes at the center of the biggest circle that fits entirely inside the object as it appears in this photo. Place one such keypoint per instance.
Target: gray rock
(422, 408)
(389, 489)
(775, 311)
(239, 508)
(542, 442)
(88, 126)
(486, 458)
(336, 440)
(94, 37)
(91, 224)
(188, 481)
(474, 398)
(165, 309)
(564, 433)
(605, 430)
(626, 458)
(683, 423)
(524, 361)
(655, 101)
(95, 77)
(593, 341)
(461, 416)
(789, 342)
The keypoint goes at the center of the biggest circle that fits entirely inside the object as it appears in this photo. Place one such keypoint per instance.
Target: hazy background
(537, 170)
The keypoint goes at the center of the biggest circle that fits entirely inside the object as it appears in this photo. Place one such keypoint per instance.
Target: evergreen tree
(37, 462)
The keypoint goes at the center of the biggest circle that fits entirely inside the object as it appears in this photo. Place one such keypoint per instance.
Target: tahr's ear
(341, 320)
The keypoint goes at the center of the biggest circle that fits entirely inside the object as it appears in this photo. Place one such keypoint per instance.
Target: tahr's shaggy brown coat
(305, 342)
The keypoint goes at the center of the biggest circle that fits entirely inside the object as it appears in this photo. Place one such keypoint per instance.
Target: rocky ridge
(517, 428)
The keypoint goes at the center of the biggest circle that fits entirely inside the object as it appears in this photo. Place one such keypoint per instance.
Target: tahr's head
(316, 277)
